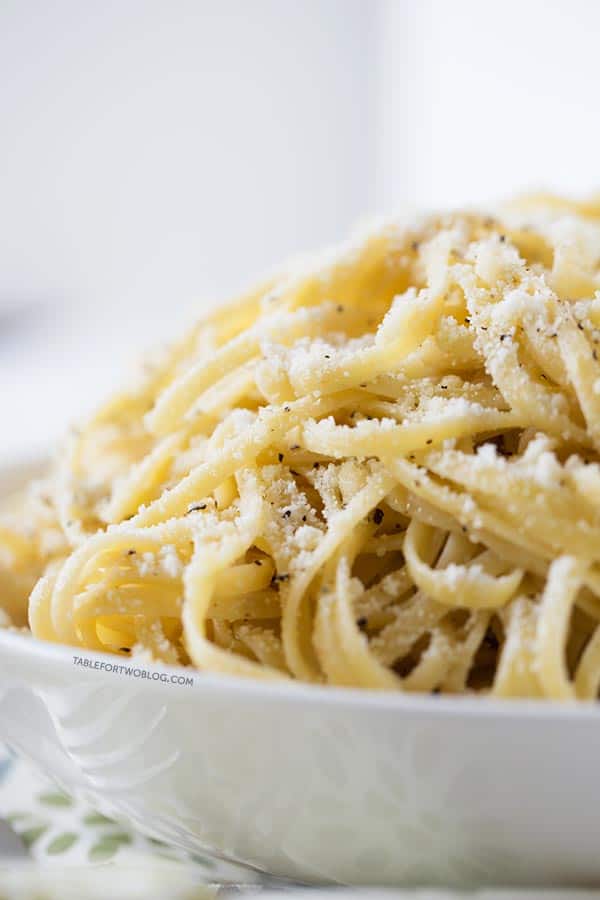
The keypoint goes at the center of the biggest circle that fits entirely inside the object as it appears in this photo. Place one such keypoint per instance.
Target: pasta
(380, 470)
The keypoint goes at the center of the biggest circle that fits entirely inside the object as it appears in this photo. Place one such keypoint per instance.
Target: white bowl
(311, 783)
(317, 784)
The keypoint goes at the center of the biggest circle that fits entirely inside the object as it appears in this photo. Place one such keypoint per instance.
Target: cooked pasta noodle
(381, 470)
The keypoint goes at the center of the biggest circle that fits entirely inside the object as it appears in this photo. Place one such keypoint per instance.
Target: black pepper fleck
(196, 507)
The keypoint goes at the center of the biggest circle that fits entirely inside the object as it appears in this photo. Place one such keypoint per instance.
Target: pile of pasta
(380, 469)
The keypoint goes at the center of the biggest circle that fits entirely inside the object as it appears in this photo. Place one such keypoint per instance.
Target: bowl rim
(43, 653)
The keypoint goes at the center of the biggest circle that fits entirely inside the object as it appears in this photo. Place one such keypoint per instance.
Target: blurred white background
(477, 100)
(157, 156)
